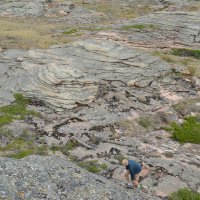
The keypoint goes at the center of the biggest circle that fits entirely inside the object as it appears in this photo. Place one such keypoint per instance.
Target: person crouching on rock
(133, 169)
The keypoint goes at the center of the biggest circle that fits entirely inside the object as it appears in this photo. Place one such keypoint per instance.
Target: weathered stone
(18, 128)
(61, 69)
(37, 177)
(37, 8)
(166, 33)
(168, 185)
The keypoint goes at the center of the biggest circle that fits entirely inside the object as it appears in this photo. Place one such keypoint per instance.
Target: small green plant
(185, 194)
(189, 131)
(119, 157)
(186, 52)
(34, 151)
(70, 31)
(145, 122)
(139, 26)
(92, 166)
(5, 119)
(20, 99)
(21, 147)
(17, 110)
(65, 148)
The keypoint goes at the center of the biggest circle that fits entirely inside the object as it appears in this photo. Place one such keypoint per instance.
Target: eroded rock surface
(35, 8)
(87, 73)
(106, 94)
(37, 177)
(167, 29)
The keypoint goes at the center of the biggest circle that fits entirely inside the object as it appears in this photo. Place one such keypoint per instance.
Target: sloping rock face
(35, 8)
(168, 29)
(70, 75)
(84, 72)
(37, 177)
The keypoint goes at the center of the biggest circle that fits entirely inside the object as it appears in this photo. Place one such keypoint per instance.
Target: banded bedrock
(166, 29)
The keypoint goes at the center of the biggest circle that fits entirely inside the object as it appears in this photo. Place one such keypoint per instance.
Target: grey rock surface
(85, 73)
(169, 184)
(37, 8)
(39, 178)
(104, 96)
(169, 29)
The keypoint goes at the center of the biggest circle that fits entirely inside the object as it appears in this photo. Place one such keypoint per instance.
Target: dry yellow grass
(29, 33)
(191, 63)
(116, 8)
(193, 7)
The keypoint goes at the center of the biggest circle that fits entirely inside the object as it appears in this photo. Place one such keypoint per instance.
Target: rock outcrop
(37, 8)
(54, 178)
(166, 29)
(103, 97)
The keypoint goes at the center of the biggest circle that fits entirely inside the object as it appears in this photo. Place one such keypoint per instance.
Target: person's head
(125, 162)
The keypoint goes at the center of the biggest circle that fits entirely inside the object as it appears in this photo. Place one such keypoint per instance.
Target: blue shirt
(134, 168)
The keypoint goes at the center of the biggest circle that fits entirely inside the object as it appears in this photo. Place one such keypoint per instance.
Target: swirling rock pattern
(66, 76)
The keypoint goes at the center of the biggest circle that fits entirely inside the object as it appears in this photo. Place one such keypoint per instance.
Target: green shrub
(17, 110)
(5, 119)
(33, 151)
(189, 131)
(185, 194)
(20, 99)
(92, 166)
(186, 52)
(139, 26)
(70, 31)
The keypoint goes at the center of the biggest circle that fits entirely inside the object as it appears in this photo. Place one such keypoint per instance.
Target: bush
(187, 52)
(184, 194)
(189, 131)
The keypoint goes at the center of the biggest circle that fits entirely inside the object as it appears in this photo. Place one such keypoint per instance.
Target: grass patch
(139, 27)
(35, 151)
(65, 148)
(185, 104)
(186, 53)
(70, 31)
(20, 148)
(192, 64)
(119, 157)
(116, 9)
(189, 131)
(185, 194)
(17, 110)
(92, 166)
(94, 28)
(145, 122)
(5, 119)
(166, 57)
(30, 33)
